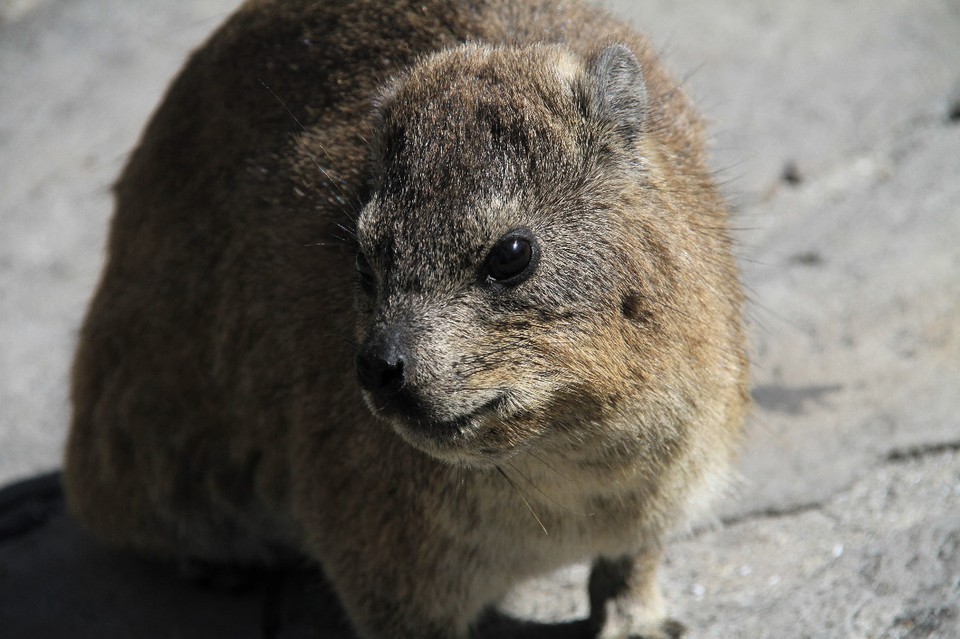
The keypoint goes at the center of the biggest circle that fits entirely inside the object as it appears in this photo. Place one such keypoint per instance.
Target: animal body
(439, 294)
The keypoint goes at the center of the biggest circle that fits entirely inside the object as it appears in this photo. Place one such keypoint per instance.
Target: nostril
(391, 376)
(377, 375)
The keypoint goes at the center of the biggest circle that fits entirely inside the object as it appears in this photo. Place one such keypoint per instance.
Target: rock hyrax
(437, 293)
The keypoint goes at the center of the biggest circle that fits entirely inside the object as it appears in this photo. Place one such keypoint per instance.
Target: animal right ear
(620, 92)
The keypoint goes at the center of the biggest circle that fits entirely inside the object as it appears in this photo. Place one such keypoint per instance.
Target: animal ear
(620, 92)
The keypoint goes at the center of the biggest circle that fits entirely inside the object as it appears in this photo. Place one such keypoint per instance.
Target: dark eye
(368, 280)
(513, 258)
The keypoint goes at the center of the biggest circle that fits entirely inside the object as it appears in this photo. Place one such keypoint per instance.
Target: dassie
(439, 294)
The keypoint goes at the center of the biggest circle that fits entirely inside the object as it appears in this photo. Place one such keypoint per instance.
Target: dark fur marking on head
(634, 309)
(509, 135)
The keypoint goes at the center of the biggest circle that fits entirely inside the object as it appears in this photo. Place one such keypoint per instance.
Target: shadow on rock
(55, 581)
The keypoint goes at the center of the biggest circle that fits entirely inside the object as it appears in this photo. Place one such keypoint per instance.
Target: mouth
(463, 422)
(442, 438)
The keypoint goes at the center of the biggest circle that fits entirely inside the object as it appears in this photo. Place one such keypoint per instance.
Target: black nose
(386, 369)
(380, 371)
(381, 360)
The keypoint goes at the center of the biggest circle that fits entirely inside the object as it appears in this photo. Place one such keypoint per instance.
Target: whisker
(336, 183)
(520, 493)
(282, 103)
(349, 231)
(540, 459)
(462, 487)
(539, 490)
(340, 243)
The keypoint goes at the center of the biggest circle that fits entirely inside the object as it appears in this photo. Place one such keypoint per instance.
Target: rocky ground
(837, 137)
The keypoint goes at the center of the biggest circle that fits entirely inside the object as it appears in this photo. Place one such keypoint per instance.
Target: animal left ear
(620, 92)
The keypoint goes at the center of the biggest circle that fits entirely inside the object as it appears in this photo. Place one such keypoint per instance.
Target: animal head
(511, 269)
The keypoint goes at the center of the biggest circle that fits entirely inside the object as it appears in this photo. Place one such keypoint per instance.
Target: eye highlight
(513, 258)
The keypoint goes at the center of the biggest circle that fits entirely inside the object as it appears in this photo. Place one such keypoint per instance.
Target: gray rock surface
(879, 559)
(837, 134)
(77, 82)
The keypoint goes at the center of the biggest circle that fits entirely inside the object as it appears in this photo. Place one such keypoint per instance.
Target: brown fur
(575, 416)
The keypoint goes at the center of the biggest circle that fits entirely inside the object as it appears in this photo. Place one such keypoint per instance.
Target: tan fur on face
(216, 412)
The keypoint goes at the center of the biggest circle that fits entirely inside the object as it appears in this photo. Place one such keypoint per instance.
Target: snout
(425, 386)
(384, 368)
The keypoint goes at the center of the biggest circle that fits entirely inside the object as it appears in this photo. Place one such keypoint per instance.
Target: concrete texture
(837, 135)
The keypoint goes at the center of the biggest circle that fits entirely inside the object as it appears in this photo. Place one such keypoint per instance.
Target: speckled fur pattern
(574, 417)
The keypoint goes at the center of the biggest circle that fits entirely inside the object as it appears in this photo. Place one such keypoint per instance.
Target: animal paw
(668, 629)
